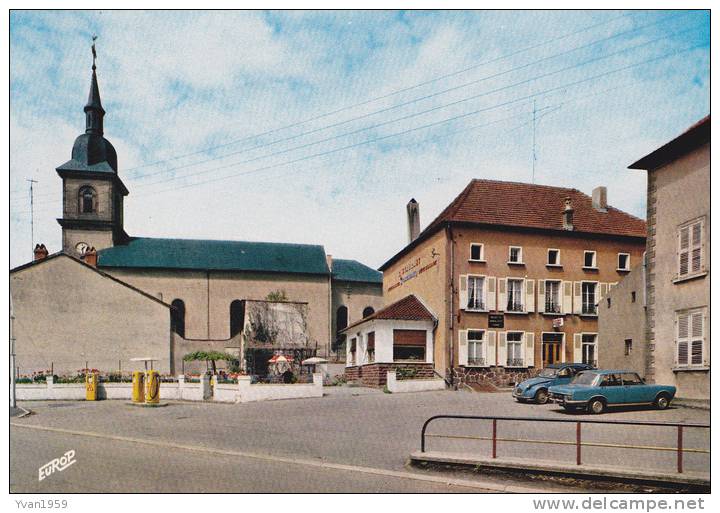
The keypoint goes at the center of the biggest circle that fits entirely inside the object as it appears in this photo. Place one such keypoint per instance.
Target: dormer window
(88, 200)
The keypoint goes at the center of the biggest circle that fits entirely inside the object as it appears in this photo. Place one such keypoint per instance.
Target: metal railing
(679, 449)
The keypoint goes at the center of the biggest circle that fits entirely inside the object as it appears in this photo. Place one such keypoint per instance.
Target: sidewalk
(629, 475)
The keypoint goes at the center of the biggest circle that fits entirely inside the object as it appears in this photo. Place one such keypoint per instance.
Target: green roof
(216, 255)
(352, 270)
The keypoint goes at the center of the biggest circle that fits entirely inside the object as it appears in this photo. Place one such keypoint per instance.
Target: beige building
(206, 282)
(514, 273)
(677, 312)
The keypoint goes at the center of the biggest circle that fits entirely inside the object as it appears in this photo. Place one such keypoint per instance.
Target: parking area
(358, 428)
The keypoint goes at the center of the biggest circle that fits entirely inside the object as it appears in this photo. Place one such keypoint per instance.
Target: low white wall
(413, 385)
(269, 392)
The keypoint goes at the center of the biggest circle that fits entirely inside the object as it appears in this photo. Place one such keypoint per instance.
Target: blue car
(536, 389)
(596, 390)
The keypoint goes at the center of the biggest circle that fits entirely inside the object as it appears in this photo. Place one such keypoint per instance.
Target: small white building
(399, 337)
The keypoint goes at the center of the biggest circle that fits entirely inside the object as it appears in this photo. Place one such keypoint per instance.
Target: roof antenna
(94, 37)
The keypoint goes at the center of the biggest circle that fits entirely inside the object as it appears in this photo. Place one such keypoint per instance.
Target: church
(108, 298)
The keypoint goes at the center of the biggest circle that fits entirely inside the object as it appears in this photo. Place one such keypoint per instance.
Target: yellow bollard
(91, 386)
(152, 387)
(138, 387)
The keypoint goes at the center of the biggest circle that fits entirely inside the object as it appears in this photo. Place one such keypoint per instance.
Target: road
(349, 441)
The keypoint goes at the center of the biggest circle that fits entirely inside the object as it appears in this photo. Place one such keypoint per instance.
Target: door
(551, 348)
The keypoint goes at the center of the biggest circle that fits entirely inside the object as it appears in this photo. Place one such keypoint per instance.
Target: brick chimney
(568, 215)
(90, 257)
(41, 252)
(413, 219)
(599, 199)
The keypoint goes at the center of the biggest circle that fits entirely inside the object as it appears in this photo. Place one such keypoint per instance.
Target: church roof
(216, 255)
(352, 270)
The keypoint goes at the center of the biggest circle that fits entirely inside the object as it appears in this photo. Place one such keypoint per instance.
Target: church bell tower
(93, 193)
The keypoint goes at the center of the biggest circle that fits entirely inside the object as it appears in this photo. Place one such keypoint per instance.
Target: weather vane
(94, 37)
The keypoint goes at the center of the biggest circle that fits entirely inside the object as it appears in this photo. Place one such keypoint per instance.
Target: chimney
(41, 252)
(413, 218)
(599, 199)
(328, 259)
(90, 257)
(568, 214)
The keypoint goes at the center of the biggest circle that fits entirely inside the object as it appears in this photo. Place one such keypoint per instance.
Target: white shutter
(490, 348)
(577, 297)
(696, 241)
(683, 333)
(490, 299)
(462, 347)
(577, 348)
(529, 349)
(502, 349)
(529, 295)
(463, 291)
(566, 294)
(684, 251)
(541, 296)
(502, 294)
(696, 333)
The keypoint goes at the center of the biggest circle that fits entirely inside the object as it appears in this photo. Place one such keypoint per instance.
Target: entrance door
(551, 348)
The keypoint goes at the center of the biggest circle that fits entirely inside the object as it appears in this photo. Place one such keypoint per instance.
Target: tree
(209, 356)
(278, 295)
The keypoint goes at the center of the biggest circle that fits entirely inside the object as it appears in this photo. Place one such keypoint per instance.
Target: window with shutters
(552, 296)
(589, 298)
(514, 340)
(690, 339)
(515, 295)
(690, 249)
(515, 256)
(476, 356)
(589, 349)
(476, 252)
(476, 293)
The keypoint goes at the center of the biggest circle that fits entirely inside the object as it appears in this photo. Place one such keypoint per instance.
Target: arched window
(369, 310)
(177, 317)
(341, 322)
(87, 199)
(237, 317)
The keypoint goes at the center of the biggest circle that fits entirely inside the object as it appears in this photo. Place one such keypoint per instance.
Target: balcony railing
(476, 362)
(589, 310)
(515, 362)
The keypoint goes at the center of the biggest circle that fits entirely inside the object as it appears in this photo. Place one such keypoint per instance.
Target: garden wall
(413, 385)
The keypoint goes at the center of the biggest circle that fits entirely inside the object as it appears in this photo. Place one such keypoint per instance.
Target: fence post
(578, 443)
(680, 450)
(494, 438)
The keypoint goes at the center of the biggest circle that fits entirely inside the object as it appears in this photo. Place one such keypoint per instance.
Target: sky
(318, 127)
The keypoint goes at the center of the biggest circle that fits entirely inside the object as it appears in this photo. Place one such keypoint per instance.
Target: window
(514, 348)
(177, 317)
(552, 296)
(632, 296)
(590, 260)
(611, 380)
(371, 346)
(588, 298)
(353, 350)
(476, 339)
(409, 345)
(553, 257)
(631, 379)
(515, 256)
(690, 240)
(341, 322)
(623, 262)
(476, 293)
(368, 311)
(476, 253)
(609, 302)
(86, 197)
(237, 317)
(589, 349)
(628, 346)
(515, 296)
(690, 338)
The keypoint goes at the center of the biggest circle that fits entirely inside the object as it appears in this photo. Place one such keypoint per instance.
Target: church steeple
(93, 109)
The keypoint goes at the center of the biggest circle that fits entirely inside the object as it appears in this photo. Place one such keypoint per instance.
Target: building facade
(514, 273)
(677, 274)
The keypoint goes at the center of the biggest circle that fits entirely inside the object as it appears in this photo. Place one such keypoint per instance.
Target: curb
(694, 405)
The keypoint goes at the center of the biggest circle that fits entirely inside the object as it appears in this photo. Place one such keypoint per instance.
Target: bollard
(91, 386)
(138, 387)
(152, 387)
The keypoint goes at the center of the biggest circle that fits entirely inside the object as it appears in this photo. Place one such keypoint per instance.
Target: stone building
(676, 288)
(514, 273)
(205, 282)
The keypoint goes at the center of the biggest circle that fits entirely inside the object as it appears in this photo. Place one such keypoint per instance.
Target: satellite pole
(534, 154)
(32, 215)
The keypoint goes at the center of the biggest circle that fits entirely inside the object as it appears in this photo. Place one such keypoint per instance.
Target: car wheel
(662, 402)
(541, 396)
(596, 406)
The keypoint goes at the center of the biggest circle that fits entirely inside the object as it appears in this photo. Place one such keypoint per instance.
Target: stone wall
(375, 374)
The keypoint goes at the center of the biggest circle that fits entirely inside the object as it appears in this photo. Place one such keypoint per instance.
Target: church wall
(99, 239)
(356, 297)
(67, 314)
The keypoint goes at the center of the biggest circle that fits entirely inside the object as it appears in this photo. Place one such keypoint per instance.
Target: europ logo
(58, 464)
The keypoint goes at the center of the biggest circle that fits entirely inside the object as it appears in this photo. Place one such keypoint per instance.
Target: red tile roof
(523, 205)
(409, 308)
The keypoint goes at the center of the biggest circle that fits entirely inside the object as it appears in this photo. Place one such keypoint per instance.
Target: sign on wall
(415, 267)
(496, 321)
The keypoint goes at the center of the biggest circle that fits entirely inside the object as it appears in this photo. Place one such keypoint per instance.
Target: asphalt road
(348, 441)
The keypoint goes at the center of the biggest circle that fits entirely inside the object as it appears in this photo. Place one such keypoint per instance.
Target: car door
(564, 376)
(634, 389)
(612, 388)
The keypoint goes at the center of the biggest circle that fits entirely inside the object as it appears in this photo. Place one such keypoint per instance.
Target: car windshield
(548, 373)
(584, 378)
